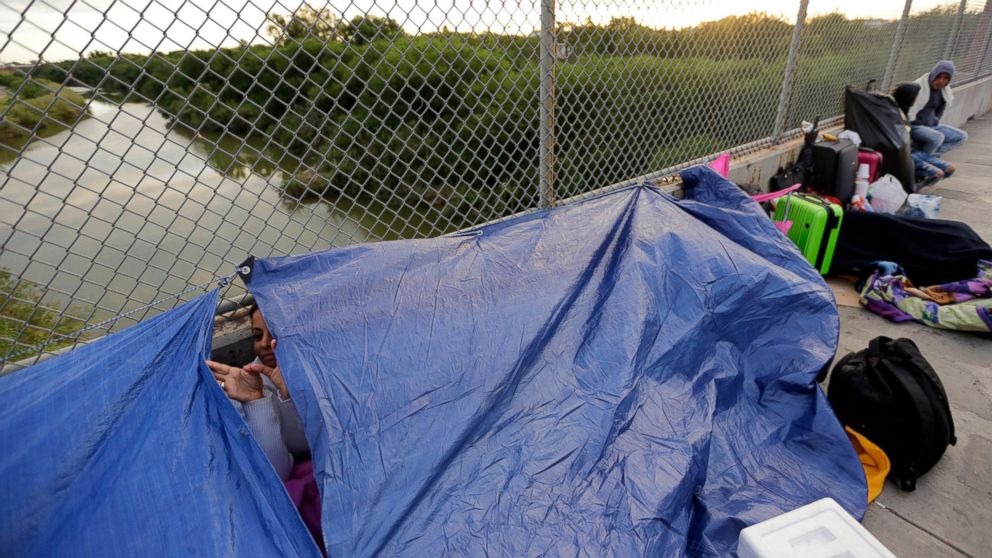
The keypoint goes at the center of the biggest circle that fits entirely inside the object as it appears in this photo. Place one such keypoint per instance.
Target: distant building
(17, 66)
(876, 22)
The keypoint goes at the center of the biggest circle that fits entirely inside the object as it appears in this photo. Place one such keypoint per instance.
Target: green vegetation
(323, 25)
(445, 126)
(451, 120)
(306, 22)
(25, 318)
(38, 109)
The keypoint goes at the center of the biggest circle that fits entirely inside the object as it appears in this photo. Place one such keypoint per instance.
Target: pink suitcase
(874, 161)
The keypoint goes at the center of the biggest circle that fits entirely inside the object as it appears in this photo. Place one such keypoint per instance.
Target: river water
(124, 208)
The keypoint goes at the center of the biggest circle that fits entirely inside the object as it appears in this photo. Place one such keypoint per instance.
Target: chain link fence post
(890, 67)
(790, 73)
(546, 183)
(952, 37)
(980, 65)
(983, 26)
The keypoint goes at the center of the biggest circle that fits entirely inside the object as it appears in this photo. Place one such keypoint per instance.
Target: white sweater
(276, 426)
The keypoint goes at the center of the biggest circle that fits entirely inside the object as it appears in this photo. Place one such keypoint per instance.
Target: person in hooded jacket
(928, 134)
(928, 168)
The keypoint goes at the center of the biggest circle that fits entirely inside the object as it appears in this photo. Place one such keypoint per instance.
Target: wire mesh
(971, 43)
(147, 145)
(634, 98)
(958, 47)
(927, 33)
(836, 52)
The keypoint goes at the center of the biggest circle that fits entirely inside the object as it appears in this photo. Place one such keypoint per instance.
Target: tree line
(365, 109)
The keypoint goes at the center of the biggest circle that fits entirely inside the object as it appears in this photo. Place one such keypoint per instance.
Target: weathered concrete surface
(950, 513)
(970, 100)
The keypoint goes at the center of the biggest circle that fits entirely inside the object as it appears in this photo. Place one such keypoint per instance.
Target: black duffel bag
(892, 395)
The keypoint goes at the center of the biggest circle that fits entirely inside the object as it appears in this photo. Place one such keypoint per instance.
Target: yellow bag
(874, 461)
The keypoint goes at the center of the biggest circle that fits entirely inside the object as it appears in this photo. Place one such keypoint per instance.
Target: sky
(56, 30)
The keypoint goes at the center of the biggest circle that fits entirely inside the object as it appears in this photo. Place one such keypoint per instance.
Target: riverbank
(39, 108)
(168, 206)
(26, 322)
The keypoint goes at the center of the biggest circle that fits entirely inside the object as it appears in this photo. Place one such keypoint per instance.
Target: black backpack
(892, 395)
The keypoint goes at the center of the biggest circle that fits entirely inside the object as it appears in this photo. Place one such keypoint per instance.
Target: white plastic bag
(886, 194)
(851, 135)
(928, 204)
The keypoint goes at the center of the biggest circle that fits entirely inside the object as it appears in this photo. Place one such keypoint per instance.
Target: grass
(26, 323)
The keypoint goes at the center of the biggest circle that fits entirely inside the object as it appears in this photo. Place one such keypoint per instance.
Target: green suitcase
(815, 224)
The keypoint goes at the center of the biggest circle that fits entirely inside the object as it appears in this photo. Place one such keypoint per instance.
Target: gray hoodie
(933, 118)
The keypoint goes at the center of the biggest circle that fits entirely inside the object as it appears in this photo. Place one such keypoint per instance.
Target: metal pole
(890, 67)
(546, 195)
(952, 37)
(790, 73)
(984, 29)
(981, 57)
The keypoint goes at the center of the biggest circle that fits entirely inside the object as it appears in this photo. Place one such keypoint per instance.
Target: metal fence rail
(148, 145)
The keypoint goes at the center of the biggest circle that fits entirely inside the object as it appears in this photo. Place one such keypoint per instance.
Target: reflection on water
(124, 209)
(236, 157)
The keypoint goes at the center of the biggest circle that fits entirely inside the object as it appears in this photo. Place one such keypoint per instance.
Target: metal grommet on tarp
(245, 269)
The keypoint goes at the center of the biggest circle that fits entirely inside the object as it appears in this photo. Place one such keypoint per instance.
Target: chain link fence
(150, 145)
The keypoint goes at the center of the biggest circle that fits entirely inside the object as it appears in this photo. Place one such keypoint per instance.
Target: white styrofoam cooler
(818, 530)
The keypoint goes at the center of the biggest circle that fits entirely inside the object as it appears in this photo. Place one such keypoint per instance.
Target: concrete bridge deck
(950, 513)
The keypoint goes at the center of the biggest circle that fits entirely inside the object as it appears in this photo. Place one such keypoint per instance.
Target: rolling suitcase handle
(785, 224)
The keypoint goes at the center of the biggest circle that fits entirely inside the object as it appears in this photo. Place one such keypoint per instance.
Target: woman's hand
(274, 374)
(240, 384)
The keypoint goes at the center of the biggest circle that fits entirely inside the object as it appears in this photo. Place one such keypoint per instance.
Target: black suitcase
(835, 166)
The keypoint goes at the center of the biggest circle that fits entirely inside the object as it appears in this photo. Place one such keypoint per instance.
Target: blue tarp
(127, 447)
(630, 374)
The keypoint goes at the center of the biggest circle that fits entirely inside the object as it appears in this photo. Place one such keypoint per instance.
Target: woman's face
(262, 340)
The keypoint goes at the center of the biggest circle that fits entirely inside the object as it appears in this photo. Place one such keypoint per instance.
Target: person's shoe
(926, 181)
(950, 170)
